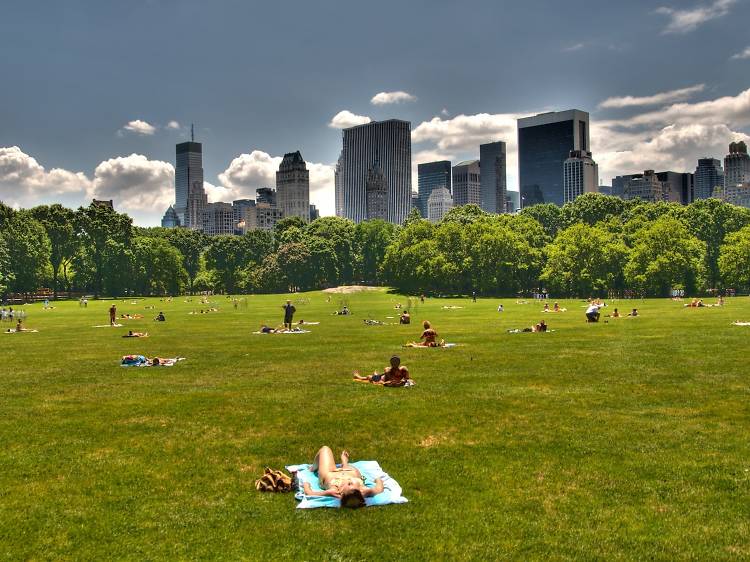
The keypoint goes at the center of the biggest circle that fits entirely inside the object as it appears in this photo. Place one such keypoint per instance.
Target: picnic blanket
(24, 331)
(296, 331)
(141, 361)
(740, 323)
(431, 347)
(369, 469)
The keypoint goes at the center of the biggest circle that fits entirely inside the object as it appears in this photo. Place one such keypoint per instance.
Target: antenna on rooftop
(192, 133)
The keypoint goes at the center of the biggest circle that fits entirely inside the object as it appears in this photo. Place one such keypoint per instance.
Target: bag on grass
(274, 481)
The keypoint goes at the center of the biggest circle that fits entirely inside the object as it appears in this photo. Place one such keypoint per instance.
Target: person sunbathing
(615, 314)
(267, 330)
(541, 327)
(19, 328)
(132, 334)
(343, 312)
(160, 317)
(634, 313)
(546, 307)
(556, 308)
(345, 483)
(427, 339)
(405, 318)
(394, 375)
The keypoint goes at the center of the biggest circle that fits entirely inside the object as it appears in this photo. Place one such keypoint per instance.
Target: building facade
(377, 193)
(431, 176)
(314, 213)
(492, 160)
(709, 175)
(736, 165)
(190, 196)
(580, 175)
(218, 218)
(544, 143)
(674, 187)
(293, 187)
(439, 203)
(266, 216)
(513, 202)
(170, 220)
(265, 195)
(388, 142)
(467, 187)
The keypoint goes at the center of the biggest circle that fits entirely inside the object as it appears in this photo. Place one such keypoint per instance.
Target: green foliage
(372, 239)
(28, 249)
(465, 214)
(5, 273)
(227, 255)
(665, 256)
(6, 213)
(190, 243)
(734, 259)
(58, 222)
(547, 214)
(590, 208)
(157, 267)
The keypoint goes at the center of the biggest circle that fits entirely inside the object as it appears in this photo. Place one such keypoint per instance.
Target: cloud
(656, 99)
(742, 54)
(345, 119)
(466, 132)
(139, 127)
(573, 48)
(685, 21)
(248, 172)
(385, 98)
(135, 183)
(173, 125)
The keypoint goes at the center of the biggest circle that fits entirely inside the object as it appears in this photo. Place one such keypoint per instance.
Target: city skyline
(70, 135)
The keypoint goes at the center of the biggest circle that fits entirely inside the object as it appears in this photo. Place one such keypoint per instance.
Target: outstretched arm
(310, 492)
(375, 490)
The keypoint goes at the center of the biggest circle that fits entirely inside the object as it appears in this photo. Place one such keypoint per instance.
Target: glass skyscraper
(190, 197)
(493, 178)
(545, 141)
(432, 176)
(389, 143)
(708, 176)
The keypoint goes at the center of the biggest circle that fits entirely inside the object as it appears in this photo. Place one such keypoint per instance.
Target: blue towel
(369, 469)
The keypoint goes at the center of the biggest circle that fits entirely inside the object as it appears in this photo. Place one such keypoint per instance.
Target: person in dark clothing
(289, 311)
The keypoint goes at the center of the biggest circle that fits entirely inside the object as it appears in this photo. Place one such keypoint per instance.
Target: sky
(94, 95)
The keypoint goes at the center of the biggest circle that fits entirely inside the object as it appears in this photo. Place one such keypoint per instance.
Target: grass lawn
(628, 439)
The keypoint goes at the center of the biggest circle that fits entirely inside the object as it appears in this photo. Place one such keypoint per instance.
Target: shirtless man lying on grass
(395, 375)
(345, 483)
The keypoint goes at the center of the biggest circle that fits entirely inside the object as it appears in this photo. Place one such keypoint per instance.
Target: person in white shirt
(592, 312)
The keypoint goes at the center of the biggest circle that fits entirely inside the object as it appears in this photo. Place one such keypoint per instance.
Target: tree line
(591, 246)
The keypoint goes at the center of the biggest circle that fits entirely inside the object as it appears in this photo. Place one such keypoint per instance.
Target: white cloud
(685, 21)
(139, 127)
(573, 48)
(248, 172)
(466, 132)
(742, 54)
(135, 183)
(385, 98)
(173, 125)
(345, 119)
(656, 99)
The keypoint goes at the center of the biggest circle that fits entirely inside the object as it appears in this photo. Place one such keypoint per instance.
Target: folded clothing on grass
(369, 469)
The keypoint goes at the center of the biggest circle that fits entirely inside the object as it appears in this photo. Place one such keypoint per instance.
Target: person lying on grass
(143, 360)
(132, 334)
(345, 483)
(428, 338)
(394, 375)
(19, 328)
(536, 328)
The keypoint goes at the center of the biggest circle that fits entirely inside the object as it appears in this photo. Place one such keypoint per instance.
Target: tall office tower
(293, 187)
(338, 189)
(218, 218)
(709, 175)
(513, 201)
(430, 176)
(415, 200)
(493, 178)
(467, 187)
(580, 175)
(438, 203)
(243, 210)
(170, 220)
(390, 143)
(314, 213)
(736, 165)
(265, 195)
(544, 143)
(190, 197)
(376, 189)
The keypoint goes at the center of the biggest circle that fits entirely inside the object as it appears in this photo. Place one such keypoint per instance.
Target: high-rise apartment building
(736, 165)
(190, 196)
(439, 203)
(674, 187)
(709, 175)
(544, 143)
(377, 193)
(493, 176)
(467, 187)
(388, 142)
(265, 195)
(218, 218)
(293, 187)
(580, 175)
(431, 176)
(314, 213)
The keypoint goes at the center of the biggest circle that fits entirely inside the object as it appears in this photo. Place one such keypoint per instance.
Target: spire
(192, 133)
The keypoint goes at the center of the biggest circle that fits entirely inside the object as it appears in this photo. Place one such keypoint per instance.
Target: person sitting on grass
(394, 375)
(428, 338)
(592, 312)
(614, 314)
(345, 483)
(132, 334)
(634, 313)
(19, 328)
(405, 318)
(343, 312)
(541, 327)
(556, 307)
(160, 317)
(546, 307)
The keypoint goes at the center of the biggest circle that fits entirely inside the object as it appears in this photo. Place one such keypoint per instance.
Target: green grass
(622, 440)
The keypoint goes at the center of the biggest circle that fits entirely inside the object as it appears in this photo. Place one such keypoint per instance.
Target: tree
(286, 223)
(6, 213)
(158, 267)
(665, 256)
(465, 214)
(583, 260)
(547, 214)
(294, 261)
(734, 259)
(5, 274)
(228, 256)
(190, 243)
(590, 208)
(28, 253)
(340, 232)
(371, 241)
(58, 222)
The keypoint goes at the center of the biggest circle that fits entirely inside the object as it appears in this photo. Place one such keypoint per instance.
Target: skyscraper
(293, 187)
(672, 187)
(390, 143)
(580, 175)
(377, 193)
(190, 197)
(431, 176)
(439, 203)
(218, 218)
(169, 220)
(467, 183)
(736, 165)
(544, 143)
(265, 195)
(338, 189)
(493, 176)
(708, 176)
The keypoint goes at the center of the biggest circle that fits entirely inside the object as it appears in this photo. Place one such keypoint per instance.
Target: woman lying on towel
(143, 361)
(132, 334)
(395, 375)
(345, 483)
(428, 338)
